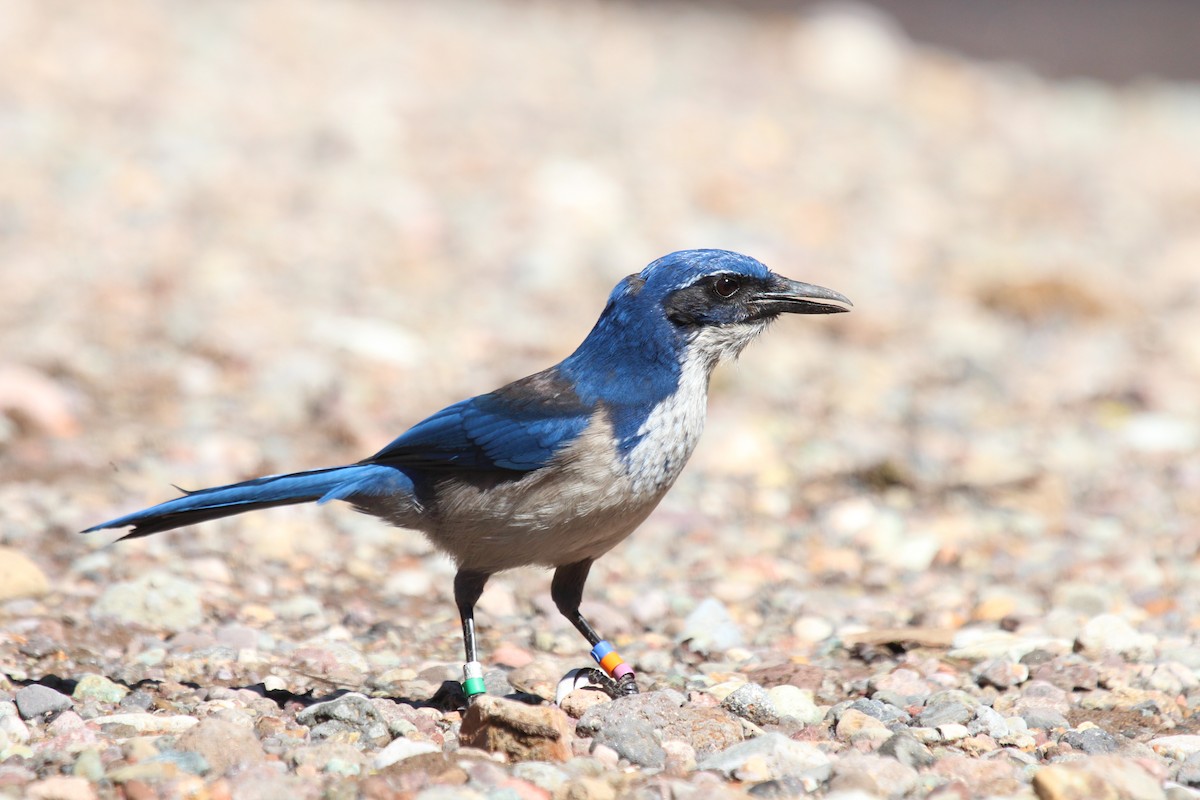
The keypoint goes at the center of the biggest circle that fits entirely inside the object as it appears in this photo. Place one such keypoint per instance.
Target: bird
(557, 468)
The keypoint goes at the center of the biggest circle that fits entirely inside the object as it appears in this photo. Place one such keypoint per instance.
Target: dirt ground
(239, 238)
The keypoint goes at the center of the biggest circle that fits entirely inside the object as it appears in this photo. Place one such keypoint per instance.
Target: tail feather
(335, 483)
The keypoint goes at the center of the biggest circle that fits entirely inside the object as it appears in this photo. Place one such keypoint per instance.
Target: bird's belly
(544, 518)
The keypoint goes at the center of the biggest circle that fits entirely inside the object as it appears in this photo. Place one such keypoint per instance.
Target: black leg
(468, 586)
(567, 591)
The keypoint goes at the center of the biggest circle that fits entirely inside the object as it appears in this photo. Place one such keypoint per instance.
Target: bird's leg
(567, 591)
(468, 585)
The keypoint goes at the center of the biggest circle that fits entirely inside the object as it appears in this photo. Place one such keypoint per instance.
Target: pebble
(148, 723)
(903, 747)
(1001, 673)
(751, 701)
(1113, 633)
(854, 726)
(657, 708)
(945, 713)
(401, 749)
(577, 703)
(902, 682)
(794, 703)
(1178, 746)
(1095, 778)
(99, 688)
(541, 774)
(519, 731)
(632, 739)
(952, 731)
(61, 787)
(1093, 741)
(1045, 718)
(156, 600)
(875, 774)
(771, 756)
(884, 712)
(710, 628)
(223, 744)
(20, 576)
(35, 701)
(351, 717)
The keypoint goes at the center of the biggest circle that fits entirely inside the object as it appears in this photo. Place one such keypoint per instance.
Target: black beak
(786, 296)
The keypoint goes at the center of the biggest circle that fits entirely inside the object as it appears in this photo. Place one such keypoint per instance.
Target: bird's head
(717, 300)
(691, 307)
(700, 288)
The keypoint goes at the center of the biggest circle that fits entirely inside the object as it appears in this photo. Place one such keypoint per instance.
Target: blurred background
(248, 237)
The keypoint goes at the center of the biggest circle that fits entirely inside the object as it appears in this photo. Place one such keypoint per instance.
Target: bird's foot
(592, 678)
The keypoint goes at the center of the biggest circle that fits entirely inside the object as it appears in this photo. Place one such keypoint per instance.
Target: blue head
(703, 304)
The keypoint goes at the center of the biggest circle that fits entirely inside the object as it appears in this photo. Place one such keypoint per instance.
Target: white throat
(673, 428)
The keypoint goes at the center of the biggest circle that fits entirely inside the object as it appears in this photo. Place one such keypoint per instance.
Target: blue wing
(517, 428)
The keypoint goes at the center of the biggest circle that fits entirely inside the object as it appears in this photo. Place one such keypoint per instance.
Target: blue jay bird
(557, 468)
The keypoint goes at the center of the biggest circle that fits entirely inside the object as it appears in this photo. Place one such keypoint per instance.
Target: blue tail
(321, 485)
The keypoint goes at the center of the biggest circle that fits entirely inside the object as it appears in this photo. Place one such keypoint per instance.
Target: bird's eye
(726, 287)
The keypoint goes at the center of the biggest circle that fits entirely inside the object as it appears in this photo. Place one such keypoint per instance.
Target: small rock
(1188, 773)
(632, 739)
(335, 758)
(953, 731)
(401, 749)
(223, 744)
(61, 787)
(149, 723)
(988, 720)
(772, 756)
(1178, 747)
(12, 727)
(351, 717)
(1093, 741)
(874, 774)
(752, 702)
(37, 400)
(69, 732)
(986, 777)
(1001, 673)
(792, 702)
(1044, 718)
(884, 712)
(710, 628)
(586, 788)
(542, 775)
(658, 708)
(186, 760)
(522, 732)
(1040, 694)
(681, 757)
(1113, 633)
(904, 747)
(946, 713)
(1098, 778)
(36, 700)
(145, 771)
(155, 600)
(577, 703)
(99, 688)
(89, 766)
(19, 576)
(708, 730)
(1068, 673)
(855, 726)
(904, 682)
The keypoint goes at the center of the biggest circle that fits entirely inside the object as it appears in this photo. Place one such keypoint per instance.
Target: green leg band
(473, 679)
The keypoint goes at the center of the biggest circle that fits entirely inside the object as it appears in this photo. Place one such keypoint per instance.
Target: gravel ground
(943, 546)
